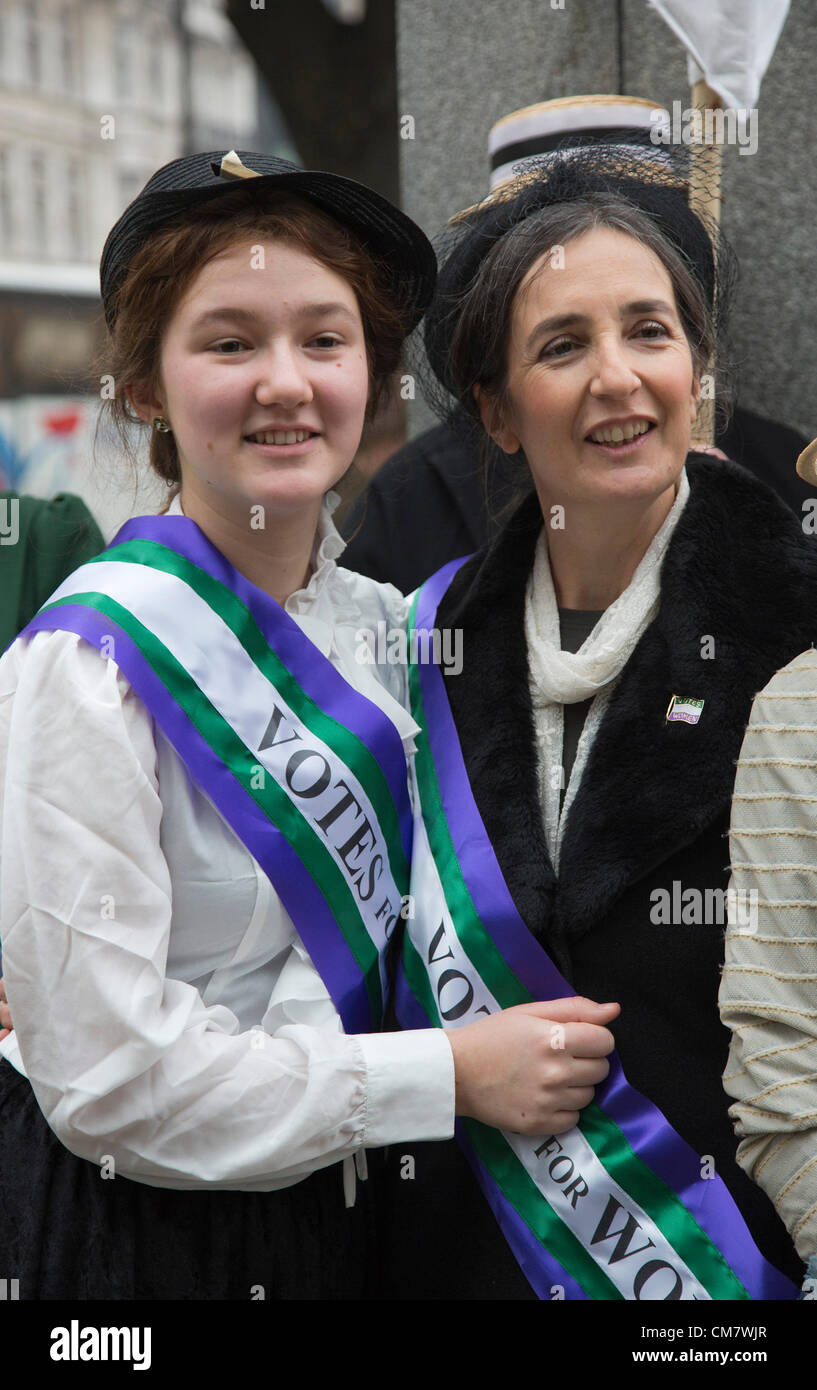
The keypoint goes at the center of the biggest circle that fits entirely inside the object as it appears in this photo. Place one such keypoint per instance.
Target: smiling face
(601, 390)
(264, 381)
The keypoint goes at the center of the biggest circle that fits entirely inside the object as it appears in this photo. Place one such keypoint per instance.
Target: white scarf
(560, 678)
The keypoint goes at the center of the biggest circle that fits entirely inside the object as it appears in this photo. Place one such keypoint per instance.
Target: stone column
(464, 63)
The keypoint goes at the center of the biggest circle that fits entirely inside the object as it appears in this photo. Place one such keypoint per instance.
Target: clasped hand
(532, 1068)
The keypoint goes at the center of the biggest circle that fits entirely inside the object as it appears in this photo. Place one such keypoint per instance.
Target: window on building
(32, 42)
(39, 219)
(122, 59)
(6, 229)
(68, 49)
(74, 203)
(156, 50)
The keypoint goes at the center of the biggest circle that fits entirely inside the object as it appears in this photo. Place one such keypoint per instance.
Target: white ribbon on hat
(232, 168)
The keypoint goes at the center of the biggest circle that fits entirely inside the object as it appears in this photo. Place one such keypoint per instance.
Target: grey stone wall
(464, 63)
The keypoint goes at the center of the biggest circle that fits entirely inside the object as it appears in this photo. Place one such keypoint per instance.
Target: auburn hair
(163, 269)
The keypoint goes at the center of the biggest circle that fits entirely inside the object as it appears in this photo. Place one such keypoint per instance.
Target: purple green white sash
(309, 773)
(618, 1207)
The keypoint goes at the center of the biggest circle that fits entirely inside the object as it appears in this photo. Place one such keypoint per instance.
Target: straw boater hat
(399, 246)
(521, 142)
(626, 123)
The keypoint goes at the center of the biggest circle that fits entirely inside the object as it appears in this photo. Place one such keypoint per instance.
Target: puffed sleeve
(768, 993)
(123, 1060)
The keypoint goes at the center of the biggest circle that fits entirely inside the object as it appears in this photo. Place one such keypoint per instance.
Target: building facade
(94, 96)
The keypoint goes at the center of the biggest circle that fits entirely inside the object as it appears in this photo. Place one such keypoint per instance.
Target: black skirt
(69, 1233)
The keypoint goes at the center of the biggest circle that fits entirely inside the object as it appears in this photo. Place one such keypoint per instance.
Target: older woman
(579, 771)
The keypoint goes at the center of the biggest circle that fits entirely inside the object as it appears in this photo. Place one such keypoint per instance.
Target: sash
(617, 1208)
(310, 774)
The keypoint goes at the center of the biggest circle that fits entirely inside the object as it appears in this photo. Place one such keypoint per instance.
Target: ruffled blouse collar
(332, 608)
(329, 545)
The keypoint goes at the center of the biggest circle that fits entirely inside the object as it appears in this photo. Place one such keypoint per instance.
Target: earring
(161, 425)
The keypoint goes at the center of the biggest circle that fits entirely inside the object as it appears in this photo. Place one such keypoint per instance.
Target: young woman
(205, 820)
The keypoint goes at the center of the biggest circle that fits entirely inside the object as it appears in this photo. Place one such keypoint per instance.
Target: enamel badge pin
(685, 709)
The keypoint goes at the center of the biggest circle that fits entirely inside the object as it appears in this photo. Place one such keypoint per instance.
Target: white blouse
(165, 1008)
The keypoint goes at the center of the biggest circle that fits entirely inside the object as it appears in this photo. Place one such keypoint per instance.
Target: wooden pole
(705, 199)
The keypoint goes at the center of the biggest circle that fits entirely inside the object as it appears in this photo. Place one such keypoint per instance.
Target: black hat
(658, 188)
(398, 245)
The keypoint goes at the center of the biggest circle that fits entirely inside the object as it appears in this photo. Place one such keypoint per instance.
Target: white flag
(728, 42)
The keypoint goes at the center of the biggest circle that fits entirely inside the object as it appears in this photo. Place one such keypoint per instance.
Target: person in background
(441, 496)
(768, 994)
(40, 544)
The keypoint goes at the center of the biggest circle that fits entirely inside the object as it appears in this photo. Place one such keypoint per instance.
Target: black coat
(652, 810)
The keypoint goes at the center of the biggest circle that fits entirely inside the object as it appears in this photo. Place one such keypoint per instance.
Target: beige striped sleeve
(768, 994)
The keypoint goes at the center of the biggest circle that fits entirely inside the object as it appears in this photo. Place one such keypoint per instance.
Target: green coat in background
(41, 543)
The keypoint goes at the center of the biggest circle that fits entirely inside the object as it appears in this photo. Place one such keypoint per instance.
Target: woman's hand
(532, 1068)
(5, 1017)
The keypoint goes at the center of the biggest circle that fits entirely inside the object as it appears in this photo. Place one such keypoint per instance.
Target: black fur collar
(739, 571)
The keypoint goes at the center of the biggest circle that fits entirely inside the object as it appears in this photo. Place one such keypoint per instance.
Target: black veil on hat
(591, 158)
(396, 243)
